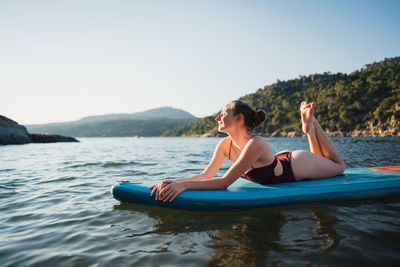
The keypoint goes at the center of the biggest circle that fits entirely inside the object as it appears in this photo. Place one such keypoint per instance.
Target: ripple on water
(132, 173)
(59, 180)
(111, 164)
(7, 170)
(131, 163)
(194, 155)
(194, 161)
(190, 170)
(88, 164)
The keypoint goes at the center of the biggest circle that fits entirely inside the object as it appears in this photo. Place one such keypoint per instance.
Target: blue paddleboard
(355, 184)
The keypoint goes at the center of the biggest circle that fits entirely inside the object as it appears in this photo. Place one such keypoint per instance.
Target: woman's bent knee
(341, 168)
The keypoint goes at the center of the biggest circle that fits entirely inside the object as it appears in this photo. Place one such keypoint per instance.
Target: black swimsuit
(266, 174)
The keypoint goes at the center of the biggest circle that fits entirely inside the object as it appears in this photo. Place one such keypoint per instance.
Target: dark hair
(252, 118)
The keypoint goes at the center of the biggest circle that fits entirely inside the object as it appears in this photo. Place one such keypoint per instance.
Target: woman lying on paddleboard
(252, 157)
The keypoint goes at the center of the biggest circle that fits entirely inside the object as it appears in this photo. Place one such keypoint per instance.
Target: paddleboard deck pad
(354, 184)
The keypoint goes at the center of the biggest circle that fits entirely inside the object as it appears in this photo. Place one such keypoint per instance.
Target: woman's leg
(324, 159)
(307, 120)
(327, 147)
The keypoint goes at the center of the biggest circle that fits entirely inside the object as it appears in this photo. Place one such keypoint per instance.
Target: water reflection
(325, 228)
(310, 229)
(253, 237)
(247, 243)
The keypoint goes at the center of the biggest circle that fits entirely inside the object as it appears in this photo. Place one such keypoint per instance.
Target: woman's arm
(215, 164)
(248, 156)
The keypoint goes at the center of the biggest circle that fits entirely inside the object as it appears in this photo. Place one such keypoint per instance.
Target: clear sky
(63, 60)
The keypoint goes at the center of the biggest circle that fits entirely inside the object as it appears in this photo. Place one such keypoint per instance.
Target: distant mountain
(157, 113)
(151, 122)
(116, 128)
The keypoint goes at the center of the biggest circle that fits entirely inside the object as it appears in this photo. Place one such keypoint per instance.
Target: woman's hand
(171, 190)
(157, 189)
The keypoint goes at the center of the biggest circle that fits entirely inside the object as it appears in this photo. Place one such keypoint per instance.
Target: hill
(152, 122)
(157, 113)
(365, 102)
(117, 128)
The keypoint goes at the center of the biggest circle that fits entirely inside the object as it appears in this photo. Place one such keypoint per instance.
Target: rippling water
(56, 209)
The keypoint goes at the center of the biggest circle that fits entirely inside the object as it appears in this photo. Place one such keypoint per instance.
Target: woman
(252, 157)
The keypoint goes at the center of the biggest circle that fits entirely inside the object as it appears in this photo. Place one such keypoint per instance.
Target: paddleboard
(354, 184)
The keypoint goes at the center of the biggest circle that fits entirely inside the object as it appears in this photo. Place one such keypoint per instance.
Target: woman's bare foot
(307, 116)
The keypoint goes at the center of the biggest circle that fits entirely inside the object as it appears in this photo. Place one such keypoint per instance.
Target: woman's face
(225, 119)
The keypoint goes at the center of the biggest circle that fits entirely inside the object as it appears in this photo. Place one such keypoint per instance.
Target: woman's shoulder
(223, 146)
(258, 139)
(225, 142)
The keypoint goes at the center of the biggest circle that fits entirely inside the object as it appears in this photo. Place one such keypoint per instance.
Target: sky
(64, 60)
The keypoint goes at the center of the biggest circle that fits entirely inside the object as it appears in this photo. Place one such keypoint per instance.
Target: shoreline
(371, 131)
(291, 134)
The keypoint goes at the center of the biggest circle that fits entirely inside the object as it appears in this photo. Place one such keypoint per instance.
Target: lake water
(56, 210)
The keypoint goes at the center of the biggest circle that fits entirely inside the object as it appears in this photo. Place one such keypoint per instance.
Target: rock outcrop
(47, 138)
(13, 133)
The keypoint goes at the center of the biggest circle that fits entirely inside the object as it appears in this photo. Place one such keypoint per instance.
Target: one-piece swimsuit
(266, 175)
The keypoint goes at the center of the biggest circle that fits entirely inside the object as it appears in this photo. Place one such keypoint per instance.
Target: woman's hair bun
(252, 118)
(259, 117)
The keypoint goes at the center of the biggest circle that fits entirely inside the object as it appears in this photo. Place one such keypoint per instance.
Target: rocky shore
(372, 131)
(378, 130)
(355, 133)
(13, 133)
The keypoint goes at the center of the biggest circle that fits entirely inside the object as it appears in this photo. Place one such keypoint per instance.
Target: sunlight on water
(56, 209)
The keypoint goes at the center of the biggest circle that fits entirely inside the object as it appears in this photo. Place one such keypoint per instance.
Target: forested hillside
(117, 128)
(153, 122)
(365, 102)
